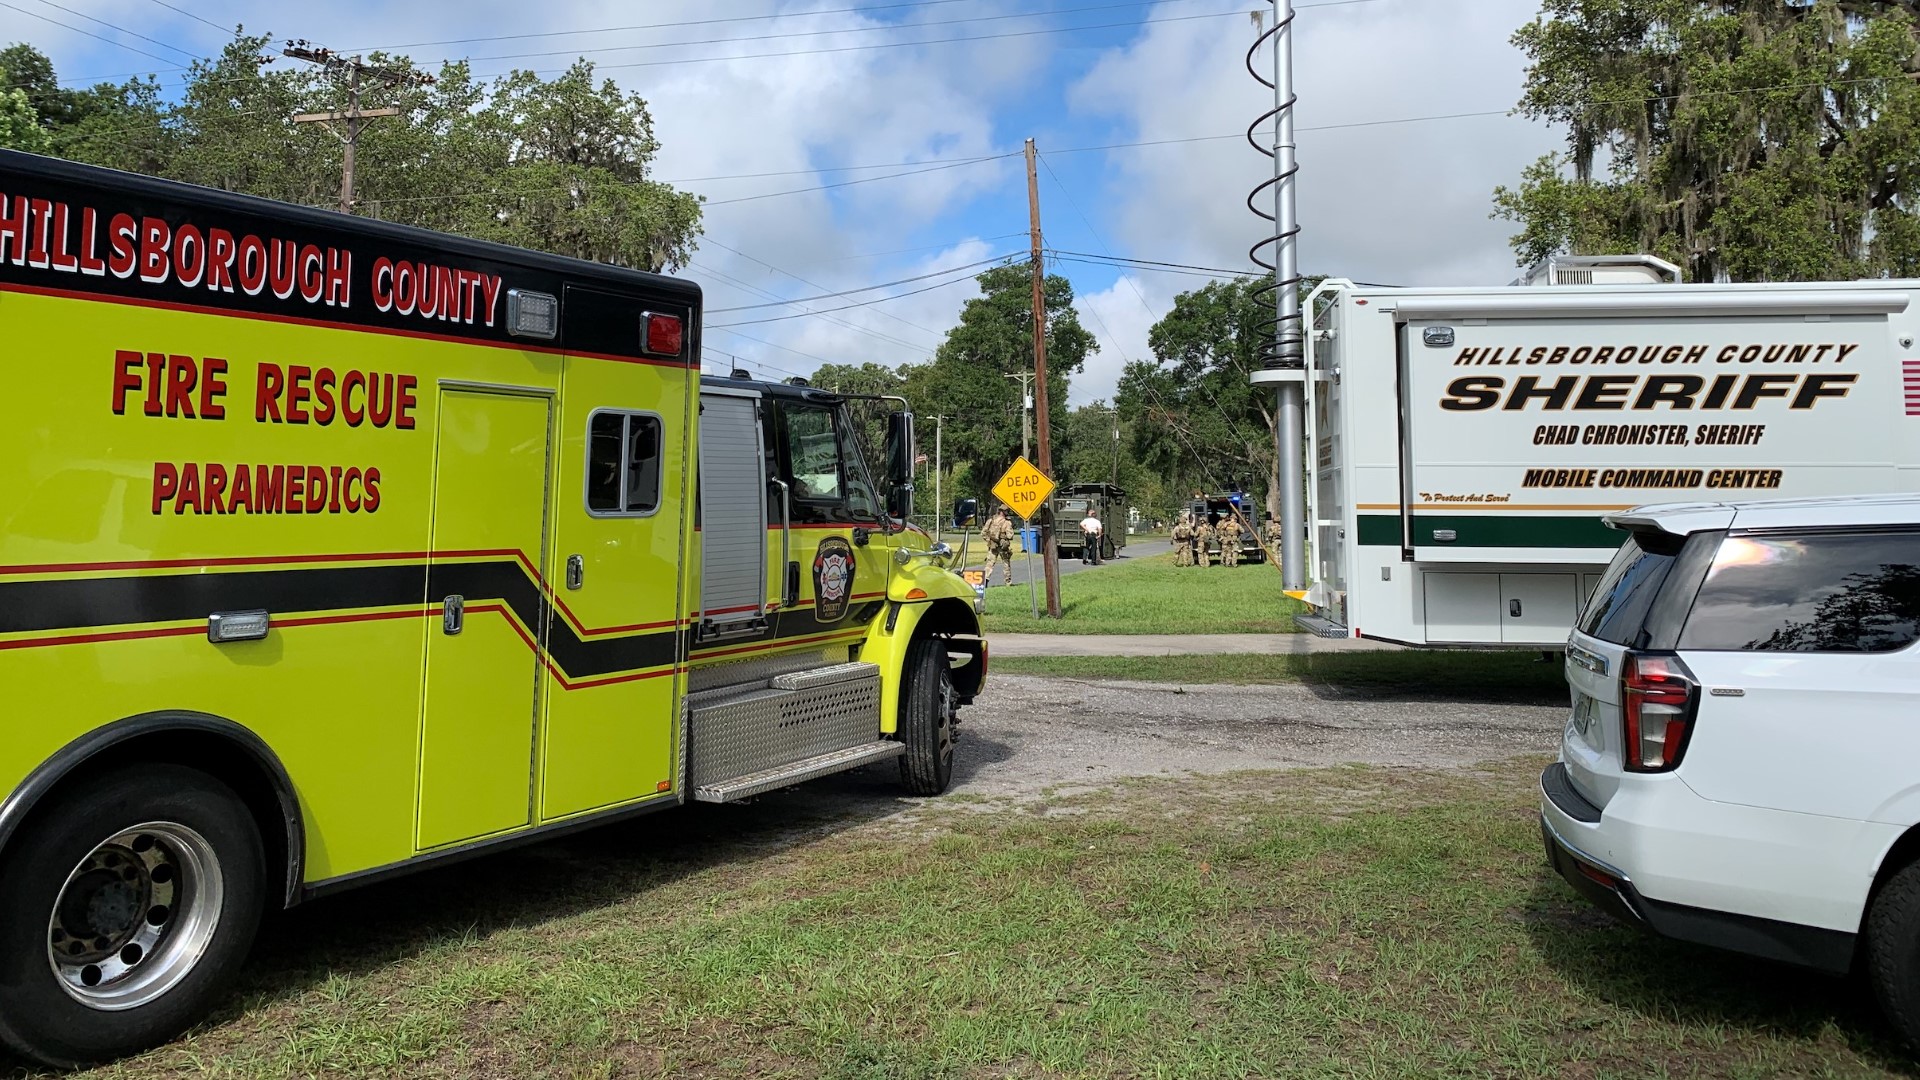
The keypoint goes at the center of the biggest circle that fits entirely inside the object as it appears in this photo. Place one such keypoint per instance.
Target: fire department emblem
(832, 579)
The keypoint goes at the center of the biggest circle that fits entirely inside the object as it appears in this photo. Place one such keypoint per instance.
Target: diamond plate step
(1320, 627)
(742, 787)
(825, 676)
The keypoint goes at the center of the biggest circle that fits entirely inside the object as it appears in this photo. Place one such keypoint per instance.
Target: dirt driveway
(1030, 735)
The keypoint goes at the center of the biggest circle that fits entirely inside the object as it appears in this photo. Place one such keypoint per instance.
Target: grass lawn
(1150, 595)
(1332, 923)
(1496, 675)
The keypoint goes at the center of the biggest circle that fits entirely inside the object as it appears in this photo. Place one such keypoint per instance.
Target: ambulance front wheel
(130, 901)
(929, 711)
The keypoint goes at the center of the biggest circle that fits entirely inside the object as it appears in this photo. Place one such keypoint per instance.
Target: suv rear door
(1803, 642)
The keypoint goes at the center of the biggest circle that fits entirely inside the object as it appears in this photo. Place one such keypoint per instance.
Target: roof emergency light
(661, 335)
(533, 314)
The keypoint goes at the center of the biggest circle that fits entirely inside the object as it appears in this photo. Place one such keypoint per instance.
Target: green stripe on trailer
(1493, 530)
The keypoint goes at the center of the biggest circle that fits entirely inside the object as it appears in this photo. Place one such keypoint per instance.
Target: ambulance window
(813, 454)
(623, 464)
(862, 505)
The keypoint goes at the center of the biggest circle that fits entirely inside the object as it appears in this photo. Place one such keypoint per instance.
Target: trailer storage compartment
(1511, 609)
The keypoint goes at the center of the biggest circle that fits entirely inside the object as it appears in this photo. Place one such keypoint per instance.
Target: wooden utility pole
(1049, 556)
(352, 119)
(1025, 379)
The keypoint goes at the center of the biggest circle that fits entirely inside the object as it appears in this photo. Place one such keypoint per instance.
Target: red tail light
(661, 335)
(1657, 710)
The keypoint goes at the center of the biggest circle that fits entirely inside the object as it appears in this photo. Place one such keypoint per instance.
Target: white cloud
(1402, 203)
(1119, 316)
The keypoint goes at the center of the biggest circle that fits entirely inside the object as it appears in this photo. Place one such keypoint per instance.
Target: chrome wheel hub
(135, 916)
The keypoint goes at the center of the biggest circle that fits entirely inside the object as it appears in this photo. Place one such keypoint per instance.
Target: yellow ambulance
(331, 550)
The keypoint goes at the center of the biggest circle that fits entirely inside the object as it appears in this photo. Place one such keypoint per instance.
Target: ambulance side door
(840, 544)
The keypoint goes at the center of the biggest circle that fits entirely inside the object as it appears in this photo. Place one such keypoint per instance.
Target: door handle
(576, 571)
(789, 594)
(1513, 608)
(453, 615)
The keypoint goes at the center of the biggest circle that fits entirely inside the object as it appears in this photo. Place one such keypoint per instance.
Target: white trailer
(1467, 440)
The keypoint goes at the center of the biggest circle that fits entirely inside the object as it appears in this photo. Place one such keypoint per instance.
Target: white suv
(1741, 767)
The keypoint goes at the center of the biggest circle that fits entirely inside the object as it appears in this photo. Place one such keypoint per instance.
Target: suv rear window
(1618, 610)
(1810, 592)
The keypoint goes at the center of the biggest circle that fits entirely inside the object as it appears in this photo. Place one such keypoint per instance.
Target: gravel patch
(1030, 737)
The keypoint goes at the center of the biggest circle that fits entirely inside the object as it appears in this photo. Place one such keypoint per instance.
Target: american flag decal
(1910, 369)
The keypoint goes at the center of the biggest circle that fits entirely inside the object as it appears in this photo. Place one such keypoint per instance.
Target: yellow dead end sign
(1024, 488)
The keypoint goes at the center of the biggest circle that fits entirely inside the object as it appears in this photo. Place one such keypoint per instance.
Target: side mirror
(900, 501)
(964, 512)
(899, 448)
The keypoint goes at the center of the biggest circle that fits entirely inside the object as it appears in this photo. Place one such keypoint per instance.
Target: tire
(1107, 550)
(928, 708)
(1893, 951)
(165, 865)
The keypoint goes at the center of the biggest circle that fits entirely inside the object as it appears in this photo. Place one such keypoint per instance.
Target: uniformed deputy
(1229, 533)
(1183, 540)
(998, 535)
(1202, 537)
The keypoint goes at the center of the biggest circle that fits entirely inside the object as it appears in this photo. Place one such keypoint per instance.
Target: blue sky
(1403, 137)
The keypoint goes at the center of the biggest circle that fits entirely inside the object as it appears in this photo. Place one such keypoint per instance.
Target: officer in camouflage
(1203, 536)
(1229, 533)
(998, 536)
(1183, 540)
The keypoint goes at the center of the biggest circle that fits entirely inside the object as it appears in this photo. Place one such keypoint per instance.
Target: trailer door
(733, 507)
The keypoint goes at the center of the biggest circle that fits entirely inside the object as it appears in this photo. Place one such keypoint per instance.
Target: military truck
(1220, 506)
(1106, 502)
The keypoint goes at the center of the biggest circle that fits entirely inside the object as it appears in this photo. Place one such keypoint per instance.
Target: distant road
(977, 553)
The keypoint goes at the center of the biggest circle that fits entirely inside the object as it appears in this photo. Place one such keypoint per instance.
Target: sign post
(1024, 489)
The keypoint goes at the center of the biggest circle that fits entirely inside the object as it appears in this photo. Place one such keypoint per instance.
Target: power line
(839, 49)
(191, 15)
(769, 344)
(877, 28)
(898, 44)
(747, 286)
(1141, 262)
(120, 29)
(929, 247)
(87, 33)
(662, 26)
(861, 289)
(850, 183)
(1208, 274)
(861, 10)
(858, 304)
(905, 322)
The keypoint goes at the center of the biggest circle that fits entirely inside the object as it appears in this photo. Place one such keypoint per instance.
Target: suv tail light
(1657, 711)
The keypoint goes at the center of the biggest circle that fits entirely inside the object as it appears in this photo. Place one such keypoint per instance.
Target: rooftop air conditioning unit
(1600, 270)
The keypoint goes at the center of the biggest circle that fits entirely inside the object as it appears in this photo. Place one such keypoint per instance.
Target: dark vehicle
(1221, 506)
(1104, 501)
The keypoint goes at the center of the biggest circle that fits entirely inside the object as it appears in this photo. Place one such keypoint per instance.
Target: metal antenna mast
(1285, 363)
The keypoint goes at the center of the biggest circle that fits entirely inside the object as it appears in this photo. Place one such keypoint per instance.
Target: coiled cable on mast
(1270, 347)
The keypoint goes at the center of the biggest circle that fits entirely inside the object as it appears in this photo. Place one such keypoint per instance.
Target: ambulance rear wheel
(929, 709)
(131, 901)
